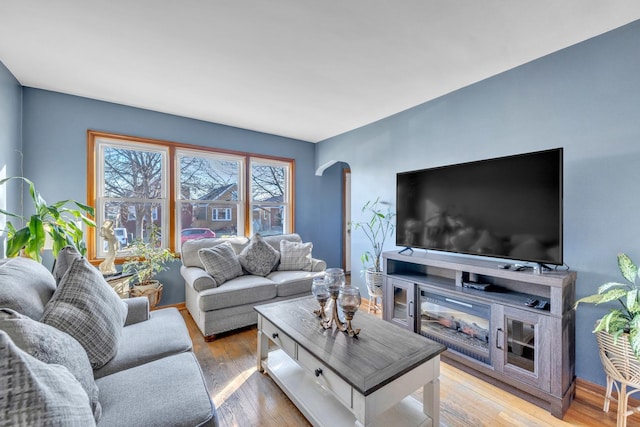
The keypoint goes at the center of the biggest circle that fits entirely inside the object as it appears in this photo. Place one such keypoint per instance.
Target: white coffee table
(337, 380)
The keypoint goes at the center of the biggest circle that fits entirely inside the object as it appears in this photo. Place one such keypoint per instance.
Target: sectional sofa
(72, 353)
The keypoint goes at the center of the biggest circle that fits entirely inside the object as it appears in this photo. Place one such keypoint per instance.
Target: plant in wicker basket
(618, 337)
(624, 320)
(147, 259)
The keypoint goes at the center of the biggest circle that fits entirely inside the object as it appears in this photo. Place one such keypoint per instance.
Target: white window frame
(101, 144)
(287, 220)
(227, 214)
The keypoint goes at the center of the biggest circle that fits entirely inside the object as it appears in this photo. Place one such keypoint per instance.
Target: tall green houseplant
(377, 227)
(56, 220)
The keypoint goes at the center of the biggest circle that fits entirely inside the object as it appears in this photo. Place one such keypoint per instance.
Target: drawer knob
(274, 335)
(318, 372)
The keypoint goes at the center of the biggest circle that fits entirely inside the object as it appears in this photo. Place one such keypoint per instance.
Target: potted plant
(58, 221)
(623, 321)
(146, 260)
(618, 334)
(378, 227)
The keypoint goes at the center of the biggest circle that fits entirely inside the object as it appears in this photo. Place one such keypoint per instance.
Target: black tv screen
(507, 207)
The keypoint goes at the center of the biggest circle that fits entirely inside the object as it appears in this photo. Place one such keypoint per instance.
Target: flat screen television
(507, 207)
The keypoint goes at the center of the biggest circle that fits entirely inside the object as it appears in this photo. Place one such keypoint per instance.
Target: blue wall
(585, 98)
(55, 153)
(10, 143)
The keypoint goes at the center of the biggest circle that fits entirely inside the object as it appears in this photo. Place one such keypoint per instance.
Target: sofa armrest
(138, 310)
(318, 264)
(197, 278)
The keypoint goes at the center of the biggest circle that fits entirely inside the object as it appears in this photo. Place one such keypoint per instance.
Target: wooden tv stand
(490, 333)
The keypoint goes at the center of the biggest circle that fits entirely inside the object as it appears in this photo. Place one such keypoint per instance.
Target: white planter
(375, 281)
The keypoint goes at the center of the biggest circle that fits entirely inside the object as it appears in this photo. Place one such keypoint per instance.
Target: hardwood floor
(244, 397)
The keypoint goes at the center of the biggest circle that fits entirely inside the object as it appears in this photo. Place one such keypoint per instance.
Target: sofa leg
(210, 338)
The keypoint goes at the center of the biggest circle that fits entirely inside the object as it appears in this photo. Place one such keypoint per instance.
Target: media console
(515, 329)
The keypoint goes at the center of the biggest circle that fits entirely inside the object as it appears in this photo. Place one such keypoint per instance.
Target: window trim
(92, 234)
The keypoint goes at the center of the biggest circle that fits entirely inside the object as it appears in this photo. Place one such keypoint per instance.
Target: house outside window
(133, 183)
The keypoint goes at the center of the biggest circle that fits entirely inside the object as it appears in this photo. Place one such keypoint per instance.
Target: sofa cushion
(25, 286)
(290, 283)
(221, 262)
(50, 345)
(242, 290)
(88, 309)
(164, 334)
(167, 392)
(34, 393)
(259, 257)
(295, 256)
(189, 249)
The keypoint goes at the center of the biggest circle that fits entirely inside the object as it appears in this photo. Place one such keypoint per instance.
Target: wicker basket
(152, 290)
(375, 281)
(622, 369)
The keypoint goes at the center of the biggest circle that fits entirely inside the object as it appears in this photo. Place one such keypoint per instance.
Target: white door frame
(346, 220)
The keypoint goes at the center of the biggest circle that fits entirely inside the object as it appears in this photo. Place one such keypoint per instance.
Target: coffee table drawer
(326, 377)
(281, 339)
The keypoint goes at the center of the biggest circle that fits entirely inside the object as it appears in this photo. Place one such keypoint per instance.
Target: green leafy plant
(56, 220)
(147, 258)
(624, 320)
(378, 227)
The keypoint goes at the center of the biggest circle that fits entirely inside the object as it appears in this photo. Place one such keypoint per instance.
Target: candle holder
(349, 301)
(335, 317)
(321, 292)
(335, 280)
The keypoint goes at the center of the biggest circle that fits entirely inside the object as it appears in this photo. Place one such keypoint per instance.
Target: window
(269, 197)
(139, 182)
(212, 191)
(221, 214)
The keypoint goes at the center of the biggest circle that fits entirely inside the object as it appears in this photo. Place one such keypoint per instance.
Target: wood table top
(381, 353)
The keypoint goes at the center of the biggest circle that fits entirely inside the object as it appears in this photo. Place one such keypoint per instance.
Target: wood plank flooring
(244, 397)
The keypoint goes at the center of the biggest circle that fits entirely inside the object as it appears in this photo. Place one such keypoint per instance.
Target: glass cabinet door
(524, 349)
(399, 305)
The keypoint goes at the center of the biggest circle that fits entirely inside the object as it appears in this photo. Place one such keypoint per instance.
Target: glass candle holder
(335, 279)
(320, 290)
(349, 301)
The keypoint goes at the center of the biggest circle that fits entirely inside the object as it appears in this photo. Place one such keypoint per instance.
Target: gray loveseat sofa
(220, 301)
(73, 353)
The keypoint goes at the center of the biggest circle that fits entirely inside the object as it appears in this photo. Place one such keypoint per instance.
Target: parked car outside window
(195, 233)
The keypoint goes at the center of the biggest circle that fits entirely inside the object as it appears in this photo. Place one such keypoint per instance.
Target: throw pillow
(25, 286)
(49, 345)
(33, 393)
(259, 258)
(88, 309)
(66, 256)
(295, 256)
(221, 262)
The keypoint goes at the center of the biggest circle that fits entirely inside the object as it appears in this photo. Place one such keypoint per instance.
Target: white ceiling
(305, 69)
